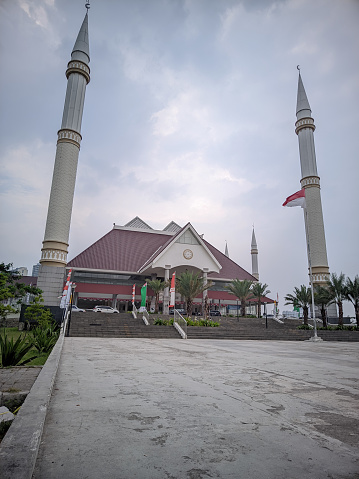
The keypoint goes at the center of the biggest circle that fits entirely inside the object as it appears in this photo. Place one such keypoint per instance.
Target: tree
(301, 298)
(352, 294)
(36, 312)
(337, 288)
(157, 286)
(242, 290)
(322, 298)
(12, 290)
(190, 285)
(258, 291)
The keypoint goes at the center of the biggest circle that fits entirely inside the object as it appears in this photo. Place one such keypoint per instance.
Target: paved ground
(18, 378)
(137, 408)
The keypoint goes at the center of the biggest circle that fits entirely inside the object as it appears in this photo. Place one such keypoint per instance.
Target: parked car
(214, 313)
(181, 311)
(75, 309)
(104, 309)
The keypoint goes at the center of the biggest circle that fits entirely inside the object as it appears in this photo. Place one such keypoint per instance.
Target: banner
(133, 293)
(173, 290)
(143, 295)
(65, 298)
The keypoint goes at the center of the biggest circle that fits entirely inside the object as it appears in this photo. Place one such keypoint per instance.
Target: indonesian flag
(133, 293)
(173, 290)
(298, 199)
(65, 298)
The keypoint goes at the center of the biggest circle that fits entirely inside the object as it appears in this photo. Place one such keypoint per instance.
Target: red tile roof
(127, 250)
(120, 250)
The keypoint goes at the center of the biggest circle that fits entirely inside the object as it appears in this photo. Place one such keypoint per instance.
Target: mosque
(127, 255)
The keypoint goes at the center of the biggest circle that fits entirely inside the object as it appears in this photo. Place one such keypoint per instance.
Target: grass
(40, 360)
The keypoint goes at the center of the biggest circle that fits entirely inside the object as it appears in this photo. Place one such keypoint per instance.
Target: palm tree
(242, 290)
(157, 286)
(301, 298)
(322, 298)
(336, 286)
(190, 285)
(352, 294)
(258, 291)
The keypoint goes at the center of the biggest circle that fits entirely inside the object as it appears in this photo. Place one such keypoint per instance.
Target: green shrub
(13, 352)
(163, 322)
(37, 313)
(304, 326)
(44, 339)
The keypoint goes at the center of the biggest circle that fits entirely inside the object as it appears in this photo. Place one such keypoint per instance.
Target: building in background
(21, 270)
(35, 270)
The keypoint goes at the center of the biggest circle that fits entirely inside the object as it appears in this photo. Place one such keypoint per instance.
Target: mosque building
(129, 255)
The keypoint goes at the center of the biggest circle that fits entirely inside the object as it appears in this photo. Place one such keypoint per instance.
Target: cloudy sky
(189, 116)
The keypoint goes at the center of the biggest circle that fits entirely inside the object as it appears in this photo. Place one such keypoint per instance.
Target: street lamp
(73, 287)
(237, 311)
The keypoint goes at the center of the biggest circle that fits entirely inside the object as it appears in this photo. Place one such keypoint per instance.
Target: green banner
(143, 295)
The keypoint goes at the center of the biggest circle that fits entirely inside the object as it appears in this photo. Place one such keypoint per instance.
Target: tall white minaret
(226, 250)
(313, 216)
(254, 254)
(54, 251)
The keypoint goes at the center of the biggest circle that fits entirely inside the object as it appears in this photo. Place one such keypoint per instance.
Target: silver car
(105, 309)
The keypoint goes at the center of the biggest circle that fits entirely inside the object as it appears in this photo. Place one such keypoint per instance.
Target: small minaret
(54, 251)
(254, 254)
(226, 250)
(313, 215)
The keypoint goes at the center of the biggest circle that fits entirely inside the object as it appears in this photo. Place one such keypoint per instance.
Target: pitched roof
(120, 250)
(129, 250)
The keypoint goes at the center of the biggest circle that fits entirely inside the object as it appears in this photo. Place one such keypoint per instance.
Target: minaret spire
(54, 252)
(226, 250)
(254, 254)
(311, 183)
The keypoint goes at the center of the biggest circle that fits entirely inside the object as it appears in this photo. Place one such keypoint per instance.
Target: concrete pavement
(139, 408)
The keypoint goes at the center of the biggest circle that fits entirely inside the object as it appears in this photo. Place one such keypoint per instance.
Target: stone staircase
(123, 325)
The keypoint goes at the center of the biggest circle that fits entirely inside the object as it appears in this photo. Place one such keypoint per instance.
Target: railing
(65, 325)
(180, 324)
(134, 311)
(146, 317)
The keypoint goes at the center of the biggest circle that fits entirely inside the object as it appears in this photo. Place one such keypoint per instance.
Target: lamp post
(265, 312)
(73, 287)
(237, 311)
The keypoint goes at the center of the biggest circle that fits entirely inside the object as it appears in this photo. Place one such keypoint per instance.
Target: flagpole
(315, 337)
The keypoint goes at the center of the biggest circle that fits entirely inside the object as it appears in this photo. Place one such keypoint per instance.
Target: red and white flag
(65, 298)
(133, 293)
(298, 199)
(173, 290)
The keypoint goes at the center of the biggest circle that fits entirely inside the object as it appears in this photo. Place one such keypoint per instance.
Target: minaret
(254, 254)
(226, 250)
(54, 251)
(313, 215)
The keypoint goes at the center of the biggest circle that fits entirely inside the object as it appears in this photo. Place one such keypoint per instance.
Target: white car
(104, 309)
(76, 309)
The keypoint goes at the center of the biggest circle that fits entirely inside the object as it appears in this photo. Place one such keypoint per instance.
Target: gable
(187, 249)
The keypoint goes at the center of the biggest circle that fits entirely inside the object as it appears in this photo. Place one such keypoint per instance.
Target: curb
(20, 446)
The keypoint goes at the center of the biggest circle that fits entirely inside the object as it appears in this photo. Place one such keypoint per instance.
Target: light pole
(237, 311)
(73, 287)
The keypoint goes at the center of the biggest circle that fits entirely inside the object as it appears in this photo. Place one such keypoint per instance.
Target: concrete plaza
(139, 408)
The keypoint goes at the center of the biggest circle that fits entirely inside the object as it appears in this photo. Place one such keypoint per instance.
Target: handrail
(146, 317)
(180, 324)
(134, 311)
